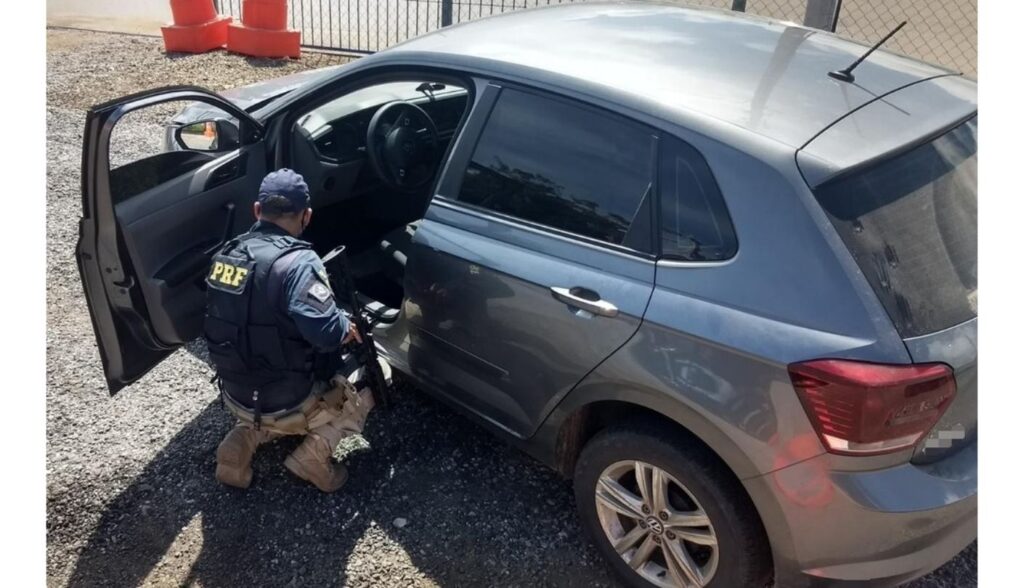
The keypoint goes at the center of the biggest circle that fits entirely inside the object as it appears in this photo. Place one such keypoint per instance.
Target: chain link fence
(939, 31)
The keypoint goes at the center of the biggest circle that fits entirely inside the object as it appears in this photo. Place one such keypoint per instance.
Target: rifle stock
(338, 271)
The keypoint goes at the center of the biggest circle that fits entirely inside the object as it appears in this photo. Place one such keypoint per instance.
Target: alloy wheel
(656, 525)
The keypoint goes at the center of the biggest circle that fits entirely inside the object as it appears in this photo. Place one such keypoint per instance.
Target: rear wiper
(846, 75)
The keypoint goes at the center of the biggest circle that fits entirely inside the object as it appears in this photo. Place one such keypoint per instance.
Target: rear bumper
(877, 528)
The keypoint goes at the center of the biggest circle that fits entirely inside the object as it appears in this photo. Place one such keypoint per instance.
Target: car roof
(681, 63)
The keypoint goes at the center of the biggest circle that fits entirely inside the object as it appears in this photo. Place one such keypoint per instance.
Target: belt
(289, 420)
(296, 420)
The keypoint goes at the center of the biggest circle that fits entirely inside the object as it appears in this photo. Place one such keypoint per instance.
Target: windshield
(911, 222)
(258, 105)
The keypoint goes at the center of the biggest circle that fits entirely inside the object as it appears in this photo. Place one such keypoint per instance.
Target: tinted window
(911, 222)
(566, 167)
(695, 225)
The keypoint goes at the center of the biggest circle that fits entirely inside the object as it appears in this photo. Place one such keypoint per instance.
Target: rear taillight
(862, 408)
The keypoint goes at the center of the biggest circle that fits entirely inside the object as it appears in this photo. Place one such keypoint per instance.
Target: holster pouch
(334, 403)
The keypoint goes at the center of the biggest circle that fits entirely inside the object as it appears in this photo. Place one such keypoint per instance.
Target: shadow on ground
(476, 512)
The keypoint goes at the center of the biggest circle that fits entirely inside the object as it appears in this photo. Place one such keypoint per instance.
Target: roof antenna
(846, 75)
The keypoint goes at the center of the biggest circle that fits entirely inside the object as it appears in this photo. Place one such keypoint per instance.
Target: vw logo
(655, 525)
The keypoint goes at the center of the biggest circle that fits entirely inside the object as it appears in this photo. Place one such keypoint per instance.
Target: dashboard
(342, 138)
(329, 145)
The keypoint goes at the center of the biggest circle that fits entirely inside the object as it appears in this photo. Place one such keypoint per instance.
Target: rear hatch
(909, 218)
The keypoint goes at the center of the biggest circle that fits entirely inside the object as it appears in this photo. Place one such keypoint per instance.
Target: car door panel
(148, 228)
(533, 263)
(196, 220)
(485, 327)
(145, 174)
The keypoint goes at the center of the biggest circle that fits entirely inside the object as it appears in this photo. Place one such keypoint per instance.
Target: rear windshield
(911, 222)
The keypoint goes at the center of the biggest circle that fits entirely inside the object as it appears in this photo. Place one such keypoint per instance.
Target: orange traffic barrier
(264, 31)
(209, 132)
(196, 28)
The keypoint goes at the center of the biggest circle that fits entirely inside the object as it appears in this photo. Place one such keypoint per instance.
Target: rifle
(336, 263)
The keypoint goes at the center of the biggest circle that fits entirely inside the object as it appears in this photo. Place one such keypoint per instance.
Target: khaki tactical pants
(331, 412)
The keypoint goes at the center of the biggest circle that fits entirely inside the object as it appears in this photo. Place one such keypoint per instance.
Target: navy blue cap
(287, 183)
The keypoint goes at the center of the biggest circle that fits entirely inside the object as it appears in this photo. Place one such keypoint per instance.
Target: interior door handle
(227, 172)
(594, 304)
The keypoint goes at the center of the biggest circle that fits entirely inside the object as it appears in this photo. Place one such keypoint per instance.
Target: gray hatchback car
(732, 297)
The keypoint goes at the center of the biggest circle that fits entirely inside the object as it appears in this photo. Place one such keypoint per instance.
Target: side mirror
(207, 135)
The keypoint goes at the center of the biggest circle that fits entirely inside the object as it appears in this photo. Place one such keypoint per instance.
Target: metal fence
(939, 31)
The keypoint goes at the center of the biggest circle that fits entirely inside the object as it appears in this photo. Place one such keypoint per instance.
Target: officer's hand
(353, 333)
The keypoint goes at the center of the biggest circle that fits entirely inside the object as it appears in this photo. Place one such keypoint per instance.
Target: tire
(697, 483)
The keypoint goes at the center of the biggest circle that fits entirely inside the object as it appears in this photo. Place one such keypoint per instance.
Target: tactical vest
(262, 360)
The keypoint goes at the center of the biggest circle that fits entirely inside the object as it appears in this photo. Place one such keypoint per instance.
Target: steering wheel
(402, 145)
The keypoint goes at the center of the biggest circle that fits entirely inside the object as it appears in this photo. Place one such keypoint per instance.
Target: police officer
(275, 334)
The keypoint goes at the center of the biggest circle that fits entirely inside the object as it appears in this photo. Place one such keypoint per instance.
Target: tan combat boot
(234, 456)
(312, 462)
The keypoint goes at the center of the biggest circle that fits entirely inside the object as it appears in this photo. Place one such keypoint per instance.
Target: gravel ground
(131, 499)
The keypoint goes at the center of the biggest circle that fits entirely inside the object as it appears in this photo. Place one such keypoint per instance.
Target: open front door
(158, 198)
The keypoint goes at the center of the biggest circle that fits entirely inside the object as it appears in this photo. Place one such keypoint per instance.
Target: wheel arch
(578, 420)
(589, 409)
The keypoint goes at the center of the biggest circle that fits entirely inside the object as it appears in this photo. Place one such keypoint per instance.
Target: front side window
(570, 168)
(160, 142)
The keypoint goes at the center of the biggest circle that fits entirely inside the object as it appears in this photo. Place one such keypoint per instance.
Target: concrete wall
(155, 10)
(126, 16)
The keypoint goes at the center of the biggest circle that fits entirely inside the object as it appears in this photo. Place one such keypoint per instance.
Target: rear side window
(567, 167)
(911, 222)
(695, 224)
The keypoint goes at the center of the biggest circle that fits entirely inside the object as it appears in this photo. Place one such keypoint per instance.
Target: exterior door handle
(593, 303)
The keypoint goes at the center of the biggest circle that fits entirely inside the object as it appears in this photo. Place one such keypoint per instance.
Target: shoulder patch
(319, 291)
(317, 295)
(322, 274)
